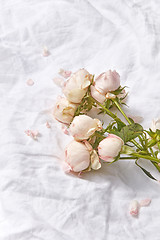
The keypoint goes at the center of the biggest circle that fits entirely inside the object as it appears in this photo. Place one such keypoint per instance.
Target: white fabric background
(37, 200)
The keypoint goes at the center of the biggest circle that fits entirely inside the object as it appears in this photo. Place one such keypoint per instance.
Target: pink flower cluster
(79, 154)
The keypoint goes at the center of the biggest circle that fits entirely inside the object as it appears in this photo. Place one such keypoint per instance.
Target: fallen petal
(32, 133)
(48, 125)
(64, 73)
(30, 82)
(58, 81)
(145, 202)
(45, 52)
(134, 208)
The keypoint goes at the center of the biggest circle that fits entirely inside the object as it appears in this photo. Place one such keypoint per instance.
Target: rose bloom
(105, 83)
(83, 126)
(64, 110)
(110, 147)
(77, 156)
(155, 124)
(77, 85)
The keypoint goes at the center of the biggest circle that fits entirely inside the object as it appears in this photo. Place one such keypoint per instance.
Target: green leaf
(150, 133)
(129, 132)
(118, 91)
(120, 125)
(127, 150)
(86, 104)
(132, 121)
(146, 172)
(99, 138)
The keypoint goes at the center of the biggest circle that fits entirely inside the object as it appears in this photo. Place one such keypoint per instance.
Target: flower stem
(123, 158)
(156, 165)
(107, 111)
(153, 159)
(120, 109)
(116, 119)
(128, 120)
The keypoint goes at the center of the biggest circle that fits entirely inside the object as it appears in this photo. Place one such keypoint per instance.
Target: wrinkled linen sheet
(37, 200)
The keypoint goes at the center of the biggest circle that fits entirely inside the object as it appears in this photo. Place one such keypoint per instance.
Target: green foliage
(86, 105)
(129, 132)
(145, 171)
(99, 137)
(155, 138)
(118, 91)
(107, 104)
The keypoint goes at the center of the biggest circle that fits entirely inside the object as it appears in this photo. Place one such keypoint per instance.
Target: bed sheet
(37, 200)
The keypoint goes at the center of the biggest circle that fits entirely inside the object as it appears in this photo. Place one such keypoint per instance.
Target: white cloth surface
(37, 200)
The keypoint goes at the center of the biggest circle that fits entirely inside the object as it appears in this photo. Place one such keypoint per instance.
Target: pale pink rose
(107, 82)
(155, 124)
(64, 110)
(76, 86)
(77, 156)
(110, 147)
(97, 95)
(134, 208)
(83, 126)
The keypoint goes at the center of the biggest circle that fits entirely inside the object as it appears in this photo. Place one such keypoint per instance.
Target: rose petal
(45, 52)
(30, 82)
(95, 163)
(145, 202)
(134, 208)
(110, 96)
(65, 129)
(88, 145)
(58, 81)
(66, 167)
(48, 125)
(64, 73)
(32, 133)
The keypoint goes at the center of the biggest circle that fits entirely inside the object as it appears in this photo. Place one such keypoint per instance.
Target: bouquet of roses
(93, 143)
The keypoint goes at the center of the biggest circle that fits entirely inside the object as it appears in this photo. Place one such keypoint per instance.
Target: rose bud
(64, 110)
(107, 82)
(110, 147)
(155, 124)
(76, 86)
(77, 156)
(83, 126)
